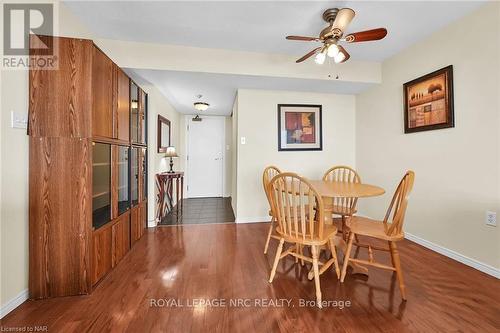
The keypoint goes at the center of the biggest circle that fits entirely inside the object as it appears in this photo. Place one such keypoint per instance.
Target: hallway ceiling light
(201, 106)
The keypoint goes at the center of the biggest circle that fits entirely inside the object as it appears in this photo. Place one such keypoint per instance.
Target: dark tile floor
(200, 211)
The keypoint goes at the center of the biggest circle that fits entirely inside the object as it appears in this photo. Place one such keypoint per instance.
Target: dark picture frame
(300, 127)
(428, 101)
(163, 134)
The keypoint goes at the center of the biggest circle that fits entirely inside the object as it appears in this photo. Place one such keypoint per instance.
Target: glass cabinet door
(101, 184)
(142, 117)
(134, 177)
(134, 112)
(144, 172)
(123, 179)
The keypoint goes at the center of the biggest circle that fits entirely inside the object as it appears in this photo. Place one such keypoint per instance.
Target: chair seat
(372, 228)
(340, 210)
(328, 232)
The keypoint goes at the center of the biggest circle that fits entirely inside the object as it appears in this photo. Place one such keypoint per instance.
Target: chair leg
(269, 235)
(392, 256)
(315, 255)
(334, 255)
(276, 259)
(399, 271)
(301, 251)
(346, 257)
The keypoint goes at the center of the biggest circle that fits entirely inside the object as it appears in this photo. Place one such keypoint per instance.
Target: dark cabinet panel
(103, 72)
(123, 105)
(60, 216)
(121, 238)
(101, 253)
(60, 101)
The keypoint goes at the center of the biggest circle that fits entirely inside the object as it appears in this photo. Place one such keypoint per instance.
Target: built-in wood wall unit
(88, 166)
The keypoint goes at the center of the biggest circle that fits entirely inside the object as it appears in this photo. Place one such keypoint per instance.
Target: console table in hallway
(165, 202)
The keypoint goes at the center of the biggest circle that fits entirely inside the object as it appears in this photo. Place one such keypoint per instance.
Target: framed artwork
(299, 127)
(163, 133)
(429, 101)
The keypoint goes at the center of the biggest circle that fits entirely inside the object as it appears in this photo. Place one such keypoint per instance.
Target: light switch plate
(243, 140)
(491, 218)
(18, 120)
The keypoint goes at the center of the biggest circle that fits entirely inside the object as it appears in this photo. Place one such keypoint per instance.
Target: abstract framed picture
(428, 101)
(299, 127)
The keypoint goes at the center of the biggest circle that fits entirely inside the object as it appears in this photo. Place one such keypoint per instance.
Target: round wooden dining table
(333, 189)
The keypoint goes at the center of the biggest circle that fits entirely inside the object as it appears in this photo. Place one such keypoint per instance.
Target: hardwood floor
(225, 261)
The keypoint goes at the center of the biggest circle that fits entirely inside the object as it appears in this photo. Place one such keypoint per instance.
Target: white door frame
(187, 120)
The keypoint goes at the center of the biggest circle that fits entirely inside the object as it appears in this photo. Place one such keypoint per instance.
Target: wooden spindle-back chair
(269, 173)
(298, 209)
(390, 230)
(345, 207)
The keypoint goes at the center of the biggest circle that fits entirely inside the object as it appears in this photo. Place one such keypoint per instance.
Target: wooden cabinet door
(59, 216)
(143, 217)
(134, 224)
(101, 253)
(60, 101)
(123, 105)
(103, 72)
(121, 238)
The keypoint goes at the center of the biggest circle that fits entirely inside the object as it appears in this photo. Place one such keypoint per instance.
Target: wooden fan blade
(346, 54)
(302, 38)
(344, 17)
(365, 36)
(309, 54)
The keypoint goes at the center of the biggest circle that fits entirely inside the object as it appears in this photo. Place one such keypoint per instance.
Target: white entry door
(205, 157)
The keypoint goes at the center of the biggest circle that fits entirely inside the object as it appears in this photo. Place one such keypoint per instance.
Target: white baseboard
(152, 223)
(253, 219)
(14, 303)
(485, 268)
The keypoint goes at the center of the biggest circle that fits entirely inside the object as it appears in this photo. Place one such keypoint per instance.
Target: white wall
(228, 155)
(257, 122)
(234, 156)
(458, 169)
(158, 105)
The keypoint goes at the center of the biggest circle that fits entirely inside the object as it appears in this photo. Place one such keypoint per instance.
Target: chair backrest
(269, 173)
(342, 173)
(297, 207)
(398, 205)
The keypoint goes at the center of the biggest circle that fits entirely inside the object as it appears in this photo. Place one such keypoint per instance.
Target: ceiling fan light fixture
(320, 57)
(339, 57)
(201, 106)
(333, 50)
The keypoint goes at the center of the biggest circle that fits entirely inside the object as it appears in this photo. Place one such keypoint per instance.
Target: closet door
(103, 72)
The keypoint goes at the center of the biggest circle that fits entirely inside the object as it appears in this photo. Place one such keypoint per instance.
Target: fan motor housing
(330, 14)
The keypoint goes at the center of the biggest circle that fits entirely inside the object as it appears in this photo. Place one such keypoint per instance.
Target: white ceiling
(262, 26)
(219, 90)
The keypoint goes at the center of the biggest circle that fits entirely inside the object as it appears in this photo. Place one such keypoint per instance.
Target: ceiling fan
(338, 20)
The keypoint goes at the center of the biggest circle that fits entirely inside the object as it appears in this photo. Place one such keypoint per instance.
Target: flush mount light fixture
(200, 106)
